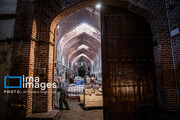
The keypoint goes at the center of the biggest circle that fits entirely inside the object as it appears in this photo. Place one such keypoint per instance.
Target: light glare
(58, 27)
(98, 6)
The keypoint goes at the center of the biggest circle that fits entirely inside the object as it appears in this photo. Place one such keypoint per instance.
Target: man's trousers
(63, 99)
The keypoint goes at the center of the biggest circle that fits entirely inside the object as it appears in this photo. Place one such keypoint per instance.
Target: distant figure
(85, 79)
(92, 82)
(71, 80)
(63, 97)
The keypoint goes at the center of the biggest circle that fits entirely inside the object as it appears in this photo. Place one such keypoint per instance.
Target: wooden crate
(93, 100)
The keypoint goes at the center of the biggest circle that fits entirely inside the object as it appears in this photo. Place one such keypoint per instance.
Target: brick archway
(157, 27)
(45, 47)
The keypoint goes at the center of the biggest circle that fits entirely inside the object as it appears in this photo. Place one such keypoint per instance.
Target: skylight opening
(82, 28)
(83, 47)
(85, 28)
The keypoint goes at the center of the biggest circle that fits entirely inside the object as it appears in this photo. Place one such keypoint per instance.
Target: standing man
(63, 96)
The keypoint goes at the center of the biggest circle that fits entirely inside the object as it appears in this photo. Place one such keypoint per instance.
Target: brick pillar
(22, 58)
(43, 102)
(44, 55)
(166, 83)
(174, 23)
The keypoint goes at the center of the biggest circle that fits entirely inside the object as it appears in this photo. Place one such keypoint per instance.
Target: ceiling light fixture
(98, 6)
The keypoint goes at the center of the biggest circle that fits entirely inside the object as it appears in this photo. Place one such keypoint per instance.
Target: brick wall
(22, 62)
(5, 60)
(174, 22)
(38, 19)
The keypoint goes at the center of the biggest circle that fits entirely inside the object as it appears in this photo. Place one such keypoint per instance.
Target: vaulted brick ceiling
(85, 15)
(82, 57)
(79, 36)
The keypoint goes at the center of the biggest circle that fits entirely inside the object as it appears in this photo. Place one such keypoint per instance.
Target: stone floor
(53, 115)
(78, 113)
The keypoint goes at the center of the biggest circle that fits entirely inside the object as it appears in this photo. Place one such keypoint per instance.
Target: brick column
(174, 24)
(22, 62)
(43, 102)
(166, 83)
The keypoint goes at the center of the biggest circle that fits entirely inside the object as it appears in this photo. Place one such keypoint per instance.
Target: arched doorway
(152, 19)
(128, 62)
